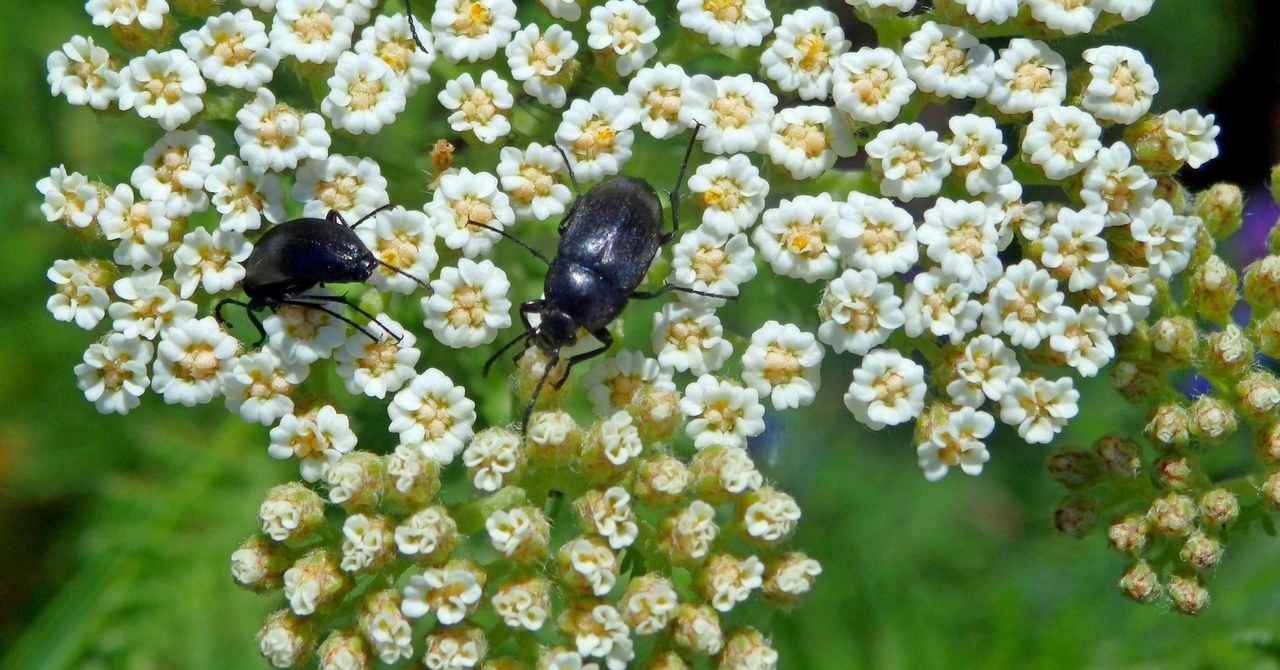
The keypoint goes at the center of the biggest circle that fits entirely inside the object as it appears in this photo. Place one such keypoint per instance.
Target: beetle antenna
(513, 238)
(326, 310)
(375, 212)
(413, 29)
(489, 363)
(397, 270)
(577, 193)
(528, 411)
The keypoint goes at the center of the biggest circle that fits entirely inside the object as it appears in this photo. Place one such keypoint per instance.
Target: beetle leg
(250, 309)
(326, 310)
(667, 288)
(674, 195)
(498, 354)
(511, 237)
(577, 193)
(342, 299)
(530, 307)
(606, 341)
(262, 332)
(533, 399)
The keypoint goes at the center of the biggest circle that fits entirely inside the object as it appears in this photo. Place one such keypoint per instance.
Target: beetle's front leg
(606, 341)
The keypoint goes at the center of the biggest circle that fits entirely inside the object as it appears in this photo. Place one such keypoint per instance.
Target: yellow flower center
(434, 417)
(804, 239)
(314, 26)
(468, 310)
(727, 11)
(472, 20)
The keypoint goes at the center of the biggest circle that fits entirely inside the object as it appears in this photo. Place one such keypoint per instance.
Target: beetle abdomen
(615, 231)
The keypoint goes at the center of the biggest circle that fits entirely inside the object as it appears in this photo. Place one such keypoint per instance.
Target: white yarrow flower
(858, 312)
(146, 305)
(612, 382)
(711, 263)
(729, 23)
(70, 197)
(542, 61)
(531, 179)
(957, 443)
(689, 337)
(309, 31)
(983, 372)
(378, 367)
(433, 415)
(1167, 238)
(623, 30)
(736, 113)
(191, 359)
(961, 237)
(805, 47)
(390, 39)
(887, 389)
(783, 362)
(659, 93)
(214, 262)
(303, 334)
(910, 160)
(1112, 187)
(871, 85)
(1191, 136)
(801, 142)
(78, 298)
(276, 137)
(259, 387)
(1122, 85)
(730, 192)
(163, 86)
(403, 239)
(353, 187)
(949, 62)
(113, 375)
(1061, 140)
(977, 151)
(798, 237)
(469, 304)
(596, 134)
(233, 50)
(478, 107)
(472, 30)
(1066, 16)
(467, 197)
(140, 228)
(938, 303)
(147, 13)
(364, 94)
(1039, 408)
(82, 71)
(1028, 75)
(875, 234)
(173, 171)
(721, 413)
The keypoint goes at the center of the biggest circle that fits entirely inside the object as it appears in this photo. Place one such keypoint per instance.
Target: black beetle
(608, 239)
(295, 256)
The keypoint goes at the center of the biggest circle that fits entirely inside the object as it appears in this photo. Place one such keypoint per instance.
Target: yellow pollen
(114, 374)
(473, 209)
(966, 240)
(685, 334)
(87, 72)
(396, 54)
(880, 239)
(663, 104)
(890, 387)
(364, 93)
(708, 263)
(478, 106)
(433, 417)
(804, 239)
(340, 193)
(230, 48)
(301, 322)
(781, 365)
(720, 416)
(138, 221)
(812, 49)
(468, 310)
(622, 388)
(167, 88)
(727, 11)
(872, 86)
(314, 26)
(171, 161)
(473, 19)
(947, 56)
(1031, 76)
(625, 37)
(809, 139)
(596, 138)
(399, 251)
(1126, 86)
(1064, 140)
(198, 363)
(732, 111)
(380, 357)
(724, 193)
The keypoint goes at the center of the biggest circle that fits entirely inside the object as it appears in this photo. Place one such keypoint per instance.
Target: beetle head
(556, 330)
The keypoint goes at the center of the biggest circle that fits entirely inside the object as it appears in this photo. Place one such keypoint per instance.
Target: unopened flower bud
(291, 513)
(1140, 582)
(1174, 341)
(661, 480)
(608, 514)
(1168, 426)
(368, 542)
(1205, 246)
(530, 369)
(1270, 490)
(1118, 456)
(315, 580)
(725, 581)
(665, 660)
(1188, 593)
(494, 459)
(720, 473)
(611, 448)
(1267, 443)
(1211, 289)
(1150, 144)
(429, 534)
(259, 564)
(697, 629)
(1218, 508)
(1229, 352)
(1220, 208)
(789, 578)
(1128, 534)
(1266, 332)
(521, 534)
(1175, 472)
(936, 415)
(384, 626)
(587, 565)
(1200, 551)
(1169, 189)
(1258, 395)
(523, 602)
(1212, 419)
(441, 156)
(413, 478)
(648, 602)
(461, 646)
(286, 640)
(1262, 283)
(656, 412)
(1172, 515)
(357, 481)
(1075, 468)
(1075, 515)
(343, 650)
(685, 535)
(1137, 382)
(553, 439)
(747, 649)
(768, 516)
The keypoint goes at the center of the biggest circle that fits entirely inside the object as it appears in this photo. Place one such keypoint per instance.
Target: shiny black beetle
(608, 239)
(293, 257)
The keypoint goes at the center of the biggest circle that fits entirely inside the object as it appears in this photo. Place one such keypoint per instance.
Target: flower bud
(413, 478)
(530, 369)
(521, 534)
(1169, 189)
(494, 459)
(343, 650)
(1140, 582)
(747, 649)
(1220, 208)
(1137, 382)
(357, 481)
(368, 542)
(1150, 145)
(1172, 515)
(1075, 468)
(1229, 353)
(595, 628)
(789, 578)
(1168, 426)
(259, 564)
(697, 629)
(725, 581)
(286, 640)
(1262, 283)
(553, 439)
(587, 565)
(1204, 247)
(1128, 534)
(656, 412)
(1267, 443)
(1136, 344)
(503, 663)
(1258, 395)
(608, 514)
(936, 415)
(1270, 490)
(1118, 456)
(1201, 552)
(1266, 332)
(1175, 472)
(685, 535)
(648, 602)
(1076, 515)
(661, 480)
(720, 473)
(1212, 419)
(384, 626)
(523, 602)
(769, 516)
(133, 37)
(291, 513)
(1218, 508)
(429, 534)
(461, 646)
(665, 660)
(1174, 341)
(1211, 289)
(1187, 593)
(611, 447)
(314, 581)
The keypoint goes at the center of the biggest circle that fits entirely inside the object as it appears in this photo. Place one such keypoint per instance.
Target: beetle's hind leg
(606, 341)
(326, 310)
(251, 309)
(667, 288)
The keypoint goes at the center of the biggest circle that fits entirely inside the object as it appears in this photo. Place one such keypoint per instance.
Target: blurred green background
(115, 531)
